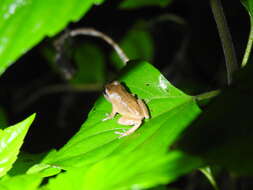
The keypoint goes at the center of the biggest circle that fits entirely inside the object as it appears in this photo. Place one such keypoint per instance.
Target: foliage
(24, 23)
(27, 182)
(177, 139)
(11, 140)
(236, 103)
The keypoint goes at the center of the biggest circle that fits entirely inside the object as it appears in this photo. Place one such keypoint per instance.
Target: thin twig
(169, 18)
(249, 45)
(226, 39)
(208, 173)
(95, 33)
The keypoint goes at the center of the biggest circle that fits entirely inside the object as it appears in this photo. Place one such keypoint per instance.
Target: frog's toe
(108, 116)
(121, 134)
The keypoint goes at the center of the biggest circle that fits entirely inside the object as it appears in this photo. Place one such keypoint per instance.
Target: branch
(98, 34)
(249, 45)
(226, 39)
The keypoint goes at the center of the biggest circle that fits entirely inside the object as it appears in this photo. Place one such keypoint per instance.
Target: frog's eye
(106, 92)
(115, 82)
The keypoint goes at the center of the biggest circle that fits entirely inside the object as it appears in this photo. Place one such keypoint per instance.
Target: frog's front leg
(111, 115)
(124, 120)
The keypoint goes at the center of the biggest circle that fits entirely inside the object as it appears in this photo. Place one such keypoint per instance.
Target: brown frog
(132, 109)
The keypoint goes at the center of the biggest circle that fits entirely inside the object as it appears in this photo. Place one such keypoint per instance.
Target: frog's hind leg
(143, 108)
(128, 121)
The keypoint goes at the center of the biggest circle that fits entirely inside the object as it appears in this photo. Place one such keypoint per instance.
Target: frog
(132, 109)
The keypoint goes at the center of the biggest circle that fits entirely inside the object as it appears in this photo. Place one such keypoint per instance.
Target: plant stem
(249, 45)
(208, 173)
(207, 95)
(226, 39)
(98, 34)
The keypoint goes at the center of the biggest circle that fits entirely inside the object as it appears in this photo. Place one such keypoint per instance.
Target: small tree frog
(132, 109)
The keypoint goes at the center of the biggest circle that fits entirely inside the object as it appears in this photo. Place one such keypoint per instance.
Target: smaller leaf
(11, 140)
(133, 4)
(24, 182)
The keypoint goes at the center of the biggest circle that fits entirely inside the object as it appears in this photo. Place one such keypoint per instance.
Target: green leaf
(24, 182)
(133, 4)
(171, 111)
(24, 23)
(137, 44)
(89, 56)
(222, 135)
(11, 140)
(126, 171)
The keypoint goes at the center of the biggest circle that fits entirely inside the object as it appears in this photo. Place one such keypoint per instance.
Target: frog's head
(112, 87)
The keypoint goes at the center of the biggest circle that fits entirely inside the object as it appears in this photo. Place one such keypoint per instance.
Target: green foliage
(96, 153)
(137, 44)
(132, 4)
(24, 182)
(96, 158)
(126, 171)
(171, 111)
(223, 133)
(11, 140)
(86, 57)
(24, 23)
(141, 160)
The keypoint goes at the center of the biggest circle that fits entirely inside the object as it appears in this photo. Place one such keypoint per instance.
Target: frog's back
(129, 106)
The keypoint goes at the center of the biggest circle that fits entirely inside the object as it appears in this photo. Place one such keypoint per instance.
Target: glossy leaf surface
(11, 140)
(126, 171)
(24, 182)
(171, 111)
(24, 23)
